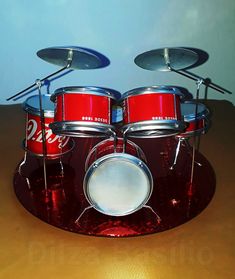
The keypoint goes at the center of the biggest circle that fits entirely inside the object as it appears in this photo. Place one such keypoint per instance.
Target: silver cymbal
(159, 59)
(82, 58)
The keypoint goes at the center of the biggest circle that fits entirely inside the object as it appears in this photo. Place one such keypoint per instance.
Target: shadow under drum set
(102, 163)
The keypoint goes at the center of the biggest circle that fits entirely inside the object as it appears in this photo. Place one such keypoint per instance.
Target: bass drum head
(118, 184)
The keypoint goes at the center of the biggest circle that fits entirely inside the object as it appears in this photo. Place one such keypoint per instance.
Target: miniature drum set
(81, 172)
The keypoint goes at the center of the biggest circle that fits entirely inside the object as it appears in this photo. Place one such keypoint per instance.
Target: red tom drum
(83, 111)
(198, 122)
(117, 180)
(33, 143)
(150, 112)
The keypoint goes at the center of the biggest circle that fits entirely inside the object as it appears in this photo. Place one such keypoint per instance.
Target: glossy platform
(173, 201)
(202, 247)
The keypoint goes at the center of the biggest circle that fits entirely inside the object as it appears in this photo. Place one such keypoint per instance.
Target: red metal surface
(54, 144)
(83, 107)
(151, 106)
(195, 125)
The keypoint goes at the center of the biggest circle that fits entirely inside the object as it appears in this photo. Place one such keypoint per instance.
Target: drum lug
(140, 164)
(95, 166)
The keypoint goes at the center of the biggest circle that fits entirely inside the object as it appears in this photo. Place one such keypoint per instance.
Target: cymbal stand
(38, 83)
(212, 85)
(42, 122)
(192, 76)
(69, 63)
(198, 83)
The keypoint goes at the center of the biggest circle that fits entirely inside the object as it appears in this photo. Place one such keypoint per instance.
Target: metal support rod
(61, 166)
(60, 156)
(176, 153)
(207, 82)
(42, 122)
(193, 76)
(20, 170)
(158, 217)
(125, 136)
(199, 82)
(124, 142)
(115, 139)
(25, 147)
(43, 79)
(80, 216)
(188, 147)
(22, 163)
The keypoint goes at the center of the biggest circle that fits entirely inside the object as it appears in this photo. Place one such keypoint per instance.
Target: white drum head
(118, 184)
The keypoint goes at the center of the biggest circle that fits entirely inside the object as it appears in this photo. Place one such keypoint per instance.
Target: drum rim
(136, 128)
(190, 134)
(191, 117)
(49, 113)
(90, 90)
(162, 89)
(127, 157)
(81, 128)
(49, 156)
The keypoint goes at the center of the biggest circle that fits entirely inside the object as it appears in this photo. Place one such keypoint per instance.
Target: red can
(55, 145)
(83, 111)
(198, 121)
(152, 112)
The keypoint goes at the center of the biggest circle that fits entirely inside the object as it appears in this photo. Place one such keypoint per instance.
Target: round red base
(173, 202)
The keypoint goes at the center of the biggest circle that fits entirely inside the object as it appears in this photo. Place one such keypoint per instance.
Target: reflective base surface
(173, 199)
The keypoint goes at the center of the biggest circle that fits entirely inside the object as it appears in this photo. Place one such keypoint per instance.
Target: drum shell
(55, 145)
(151, 105)
(72, 105)
(196, 124)
(107, 147)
